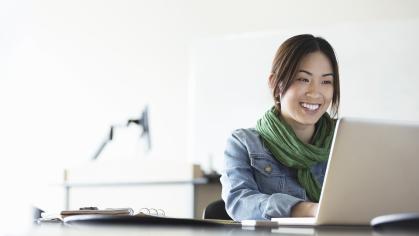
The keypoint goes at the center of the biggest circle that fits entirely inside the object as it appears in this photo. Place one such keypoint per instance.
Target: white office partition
(229, 90)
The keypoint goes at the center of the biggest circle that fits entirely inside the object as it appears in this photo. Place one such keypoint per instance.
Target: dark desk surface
(80, 230)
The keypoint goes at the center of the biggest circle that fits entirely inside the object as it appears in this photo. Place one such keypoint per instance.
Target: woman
(277, 168)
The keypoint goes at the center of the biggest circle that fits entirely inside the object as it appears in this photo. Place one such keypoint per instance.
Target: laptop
(373, 170)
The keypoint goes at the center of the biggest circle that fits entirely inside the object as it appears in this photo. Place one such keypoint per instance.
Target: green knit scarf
(289, 150)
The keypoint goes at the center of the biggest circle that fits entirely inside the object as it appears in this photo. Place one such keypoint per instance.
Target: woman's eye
(303, 80)
(326, 82)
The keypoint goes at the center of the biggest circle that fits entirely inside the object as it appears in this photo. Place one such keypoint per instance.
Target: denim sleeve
(240, 191)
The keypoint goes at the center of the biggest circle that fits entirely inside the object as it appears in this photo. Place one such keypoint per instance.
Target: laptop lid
(372, 171)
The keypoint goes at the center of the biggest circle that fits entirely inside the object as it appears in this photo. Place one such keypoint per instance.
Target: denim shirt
(254, 184)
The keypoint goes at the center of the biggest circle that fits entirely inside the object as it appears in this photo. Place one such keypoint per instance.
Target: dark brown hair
(287, 61)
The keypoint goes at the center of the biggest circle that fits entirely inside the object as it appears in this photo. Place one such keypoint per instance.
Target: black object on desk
(401, 221)
(216, 210)
(37, 213)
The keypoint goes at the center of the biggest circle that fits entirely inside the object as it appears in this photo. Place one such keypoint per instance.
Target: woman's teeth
(311, 107)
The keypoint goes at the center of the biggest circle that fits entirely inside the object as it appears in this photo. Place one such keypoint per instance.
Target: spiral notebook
(95, 211)
(57, 218)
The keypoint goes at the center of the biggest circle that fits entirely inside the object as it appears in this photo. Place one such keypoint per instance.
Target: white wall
(69, 69)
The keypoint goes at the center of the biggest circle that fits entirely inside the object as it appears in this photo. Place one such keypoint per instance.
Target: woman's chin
(309, 119)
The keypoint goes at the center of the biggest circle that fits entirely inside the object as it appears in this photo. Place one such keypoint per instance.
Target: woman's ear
(274, 87)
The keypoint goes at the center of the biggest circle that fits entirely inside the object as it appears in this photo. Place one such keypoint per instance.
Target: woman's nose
(313, 91)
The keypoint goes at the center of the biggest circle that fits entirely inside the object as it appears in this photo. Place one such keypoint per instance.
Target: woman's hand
(304, 209)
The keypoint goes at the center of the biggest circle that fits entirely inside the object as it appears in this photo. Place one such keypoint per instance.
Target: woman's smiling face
(310, 93)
